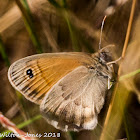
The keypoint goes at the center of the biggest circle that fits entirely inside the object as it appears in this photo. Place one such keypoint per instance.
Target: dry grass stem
(119, 70)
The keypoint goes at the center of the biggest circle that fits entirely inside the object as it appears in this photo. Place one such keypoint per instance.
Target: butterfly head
(102, 57)
(106, 54)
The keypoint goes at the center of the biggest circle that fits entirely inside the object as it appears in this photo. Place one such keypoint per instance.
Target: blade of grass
(55, 4)
(76, 35)
(23, 6)
(71, 28)
(112, 104)
(64, 4)
(61, 7)
(72, 33)
(68, 136)
(22, 125)
(129, 130)
(86, 43)
(34, 38)
(19, 97)
(60, 4)
(3, 53)
(123, 77)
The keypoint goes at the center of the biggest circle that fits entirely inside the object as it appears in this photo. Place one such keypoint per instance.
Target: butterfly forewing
(33, 76)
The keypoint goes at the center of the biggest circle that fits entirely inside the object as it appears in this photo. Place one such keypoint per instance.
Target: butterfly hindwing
(74, 102)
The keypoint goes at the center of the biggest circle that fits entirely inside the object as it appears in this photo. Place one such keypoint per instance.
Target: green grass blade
(23, 5)
(129, 75)
(62, 6)
(22, 125)
(3, 53)
(130, 133)
(72, 32)
(54, 3)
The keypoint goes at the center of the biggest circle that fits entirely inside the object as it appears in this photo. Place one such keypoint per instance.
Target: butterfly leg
(112, 62)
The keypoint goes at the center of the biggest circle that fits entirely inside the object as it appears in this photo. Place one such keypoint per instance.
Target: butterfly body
(69, 87)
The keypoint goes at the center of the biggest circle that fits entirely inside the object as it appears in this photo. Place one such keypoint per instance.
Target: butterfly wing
(69, 86)
(35, 75)
(74, 101)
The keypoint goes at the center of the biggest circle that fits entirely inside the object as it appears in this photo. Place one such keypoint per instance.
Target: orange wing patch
(52, 72)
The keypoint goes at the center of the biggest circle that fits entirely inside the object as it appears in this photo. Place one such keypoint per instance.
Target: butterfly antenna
(101, 32)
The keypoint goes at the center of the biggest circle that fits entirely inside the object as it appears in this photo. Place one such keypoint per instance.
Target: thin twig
(12, 127)
(20, 126)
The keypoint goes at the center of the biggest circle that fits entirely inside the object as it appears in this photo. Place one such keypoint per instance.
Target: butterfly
(70, 87)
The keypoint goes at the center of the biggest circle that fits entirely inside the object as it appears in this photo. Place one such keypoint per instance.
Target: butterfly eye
(30, 73)
(104, 56)
(91, 67)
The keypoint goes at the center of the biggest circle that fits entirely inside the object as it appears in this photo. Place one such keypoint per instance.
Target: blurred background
(29, 27)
